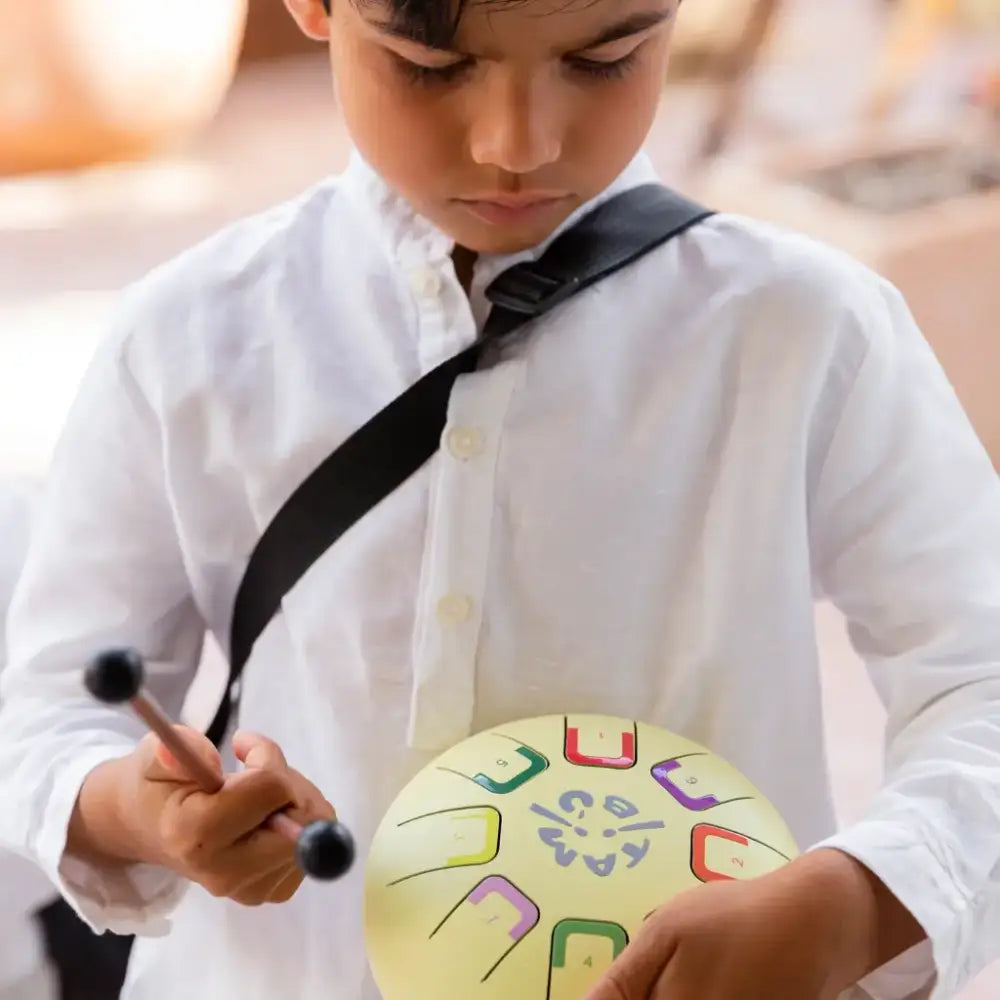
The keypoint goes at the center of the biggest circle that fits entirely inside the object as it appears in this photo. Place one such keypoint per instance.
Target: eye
(433, 75)
(610, 62)
(601, 69)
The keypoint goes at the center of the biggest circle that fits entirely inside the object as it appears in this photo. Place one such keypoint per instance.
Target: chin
(500, 240)
(499, 243)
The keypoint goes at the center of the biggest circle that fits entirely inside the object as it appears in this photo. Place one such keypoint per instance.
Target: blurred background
(130, 130)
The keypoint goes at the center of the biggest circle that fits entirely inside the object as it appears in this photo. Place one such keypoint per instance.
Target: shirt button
(454, 609)
(465, 442)
(425, 283)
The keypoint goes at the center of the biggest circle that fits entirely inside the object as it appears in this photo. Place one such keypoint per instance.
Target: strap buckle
(525, 290)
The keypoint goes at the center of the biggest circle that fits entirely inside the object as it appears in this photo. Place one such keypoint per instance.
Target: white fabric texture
(23, 886)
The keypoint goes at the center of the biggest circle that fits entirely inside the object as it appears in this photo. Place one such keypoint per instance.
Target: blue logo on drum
(584, 829)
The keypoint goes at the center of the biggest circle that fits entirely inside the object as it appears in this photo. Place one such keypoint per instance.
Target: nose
(516, 126)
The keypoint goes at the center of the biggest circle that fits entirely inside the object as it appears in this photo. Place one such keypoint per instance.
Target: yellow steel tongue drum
(521, 862)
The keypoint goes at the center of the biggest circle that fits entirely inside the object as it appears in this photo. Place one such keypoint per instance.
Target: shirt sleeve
(906, 540)
(103, 568)
(25, 888)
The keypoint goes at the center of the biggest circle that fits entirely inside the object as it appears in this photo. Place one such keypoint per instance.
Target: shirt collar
(412, 239)
(409, 238)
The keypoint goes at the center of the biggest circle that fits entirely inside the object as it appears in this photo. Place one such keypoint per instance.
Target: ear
(312, 17)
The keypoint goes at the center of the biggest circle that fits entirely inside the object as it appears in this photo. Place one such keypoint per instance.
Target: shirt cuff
(137, 899)
(910, 870)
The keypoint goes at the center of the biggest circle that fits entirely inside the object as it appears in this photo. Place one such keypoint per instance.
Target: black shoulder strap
(397, 441)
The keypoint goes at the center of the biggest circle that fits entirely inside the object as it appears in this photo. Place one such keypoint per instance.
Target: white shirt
(25, 888)
(632, 513)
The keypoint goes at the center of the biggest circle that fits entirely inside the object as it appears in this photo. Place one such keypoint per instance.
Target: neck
(464, 261)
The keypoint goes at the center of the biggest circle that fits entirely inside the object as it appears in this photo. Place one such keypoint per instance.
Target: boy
(631, 513)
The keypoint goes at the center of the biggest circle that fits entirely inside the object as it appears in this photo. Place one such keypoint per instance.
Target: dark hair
(433, 22)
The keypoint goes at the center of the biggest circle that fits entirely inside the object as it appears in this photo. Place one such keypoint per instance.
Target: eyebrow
(634, 24)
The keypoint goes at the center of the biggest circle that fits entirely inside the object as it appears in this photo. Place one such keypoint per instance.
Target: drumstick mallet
(324, 850)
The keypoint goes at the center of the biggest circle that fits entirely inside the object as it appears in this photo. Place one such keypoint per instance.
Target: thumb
(608, 988)
(157, 763)
(258, 752)
(635, 972)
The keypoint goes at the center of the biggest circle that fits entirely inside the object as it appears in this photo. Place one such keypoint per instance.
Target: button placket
(465, 443)
(426, 283)
(463, 494)
(445, 323)
(454, 609)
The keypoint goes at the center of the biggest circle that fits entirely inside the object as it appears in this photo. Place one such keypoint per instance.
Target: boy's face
(527, 115)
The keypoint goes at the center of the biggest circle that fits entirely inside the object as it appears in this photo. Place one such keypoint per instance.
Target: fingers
(283, 890)
(637, 970)
(157, 763)
(260, 869)
(278, 886)
(308, 803)
(633, 978)
(242, 805)
(220, 839)
(610, 989)
(257, 751)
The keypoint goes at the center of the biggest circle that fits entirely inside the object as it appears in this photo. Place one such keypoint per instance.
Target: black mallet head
(325, 850)
(115, 676)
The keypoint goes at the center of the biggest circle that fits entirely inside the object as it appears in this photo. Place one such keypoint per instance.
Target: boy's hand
(143, 808)
(806, 932)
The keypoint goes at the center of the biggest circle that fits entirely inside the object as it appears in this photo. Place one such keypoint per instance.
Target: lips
(522, 200)
(500, 209)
